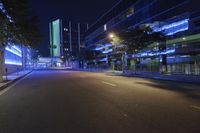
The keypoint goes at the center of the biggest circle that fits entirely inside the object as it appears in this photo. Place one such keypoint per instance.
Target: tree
(26, 25)
(4, 38)
(141, 37)
(17, 25)
(118, 44)
(136, 39)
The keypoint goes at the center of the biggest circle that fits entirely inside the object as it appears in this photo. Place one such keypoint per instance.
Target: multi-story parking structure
(179, 20)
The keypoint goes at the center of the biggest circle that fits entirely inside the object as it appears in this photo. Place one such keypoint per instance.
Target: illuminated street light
(111, 35)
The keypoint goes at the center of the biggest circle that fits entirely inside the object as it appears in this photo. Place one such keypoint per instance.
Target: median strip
(107, 83)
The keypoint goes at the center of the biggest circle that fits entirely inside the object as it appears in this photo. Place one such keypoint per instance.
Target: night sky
(84, 11)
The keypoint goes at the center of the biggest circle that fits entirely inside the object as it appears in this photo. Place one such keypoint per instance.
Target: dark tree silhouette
(17, 25)
(139, 38)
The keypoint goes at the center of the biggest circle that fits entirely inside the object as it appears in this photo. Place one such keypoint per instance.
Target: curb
(161, 79)
(89, 71)
(13, 81)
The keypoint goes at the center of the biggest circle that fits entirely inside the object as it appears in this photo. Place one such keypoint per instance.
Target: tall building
(66, 38)
(56, 38)
(177, 19)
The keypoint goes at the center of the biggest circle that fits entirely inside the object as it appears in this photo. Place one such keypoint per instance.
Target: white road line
(5, 90)
(195, 107)
(125, 115)
(109, 83)
(8, 88)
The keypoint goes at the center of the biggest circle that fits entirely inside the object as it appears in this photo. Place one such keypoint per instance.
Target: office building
(55, 28)
(66, 38)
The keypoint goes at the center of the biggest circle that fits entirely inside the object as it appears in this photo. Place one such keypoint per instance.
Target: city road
(57, 101)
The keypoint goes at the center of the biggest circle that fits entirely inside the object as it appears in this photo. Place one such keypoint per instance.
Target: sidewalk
(12, 78)
(159, 76)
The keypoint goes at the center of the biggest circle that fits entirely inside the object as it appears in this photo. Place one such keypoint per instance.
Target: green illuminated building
(56, 38)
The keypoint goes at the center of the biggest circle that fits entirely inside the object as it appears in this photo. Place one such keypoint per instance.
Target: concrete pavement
(81, 102)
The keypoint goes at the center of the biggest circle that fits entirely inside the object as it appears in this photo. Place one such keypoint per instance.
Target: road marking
(195, 107)
(107, 83)
(5, 90)
(125, 115)
(17, 82)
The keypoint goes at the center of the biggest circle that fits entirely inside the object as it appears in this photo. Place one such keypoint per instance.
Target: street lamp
(116, 41)
(111, 35)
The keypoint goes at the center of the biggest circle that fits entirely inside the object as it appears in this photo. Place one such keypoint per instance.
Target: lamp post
(115, 42)
(111, 36)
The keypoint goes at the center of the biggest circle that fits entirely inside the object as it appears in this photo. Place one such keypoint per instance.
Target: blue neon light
(18, 49)
(177, 31)
(173, 28)
(1, 6)
(13, 62)
(107, 51)
(14, 51)
(149, 54)
(170, 51)
(13, 55)
(104, 59)
(4, 11)
(103, 47)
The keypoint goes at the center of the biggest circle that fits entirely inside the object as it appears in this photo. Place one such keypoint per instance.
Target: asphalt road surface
(80, 102)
